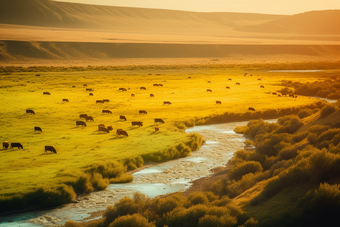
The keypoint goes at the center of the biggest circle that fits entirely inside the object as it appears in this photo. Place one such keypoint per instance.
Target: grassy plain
(79, 147)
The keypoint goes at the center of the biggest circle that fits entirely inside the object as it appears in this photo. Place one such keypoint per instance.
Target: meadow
(87, 150)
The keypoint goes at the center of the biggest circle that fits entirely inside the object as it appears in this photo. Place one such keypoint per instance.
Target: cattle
(30, 111)
(36, 128)
(103, 129)
(142, 88)
(65, 100)
(251, 74)
(109, 128)
(159, 120)
(18, 145)
(90, 94)
(258, 78)
(229, 78)
(209, 82)
(167, 103)
(46, 93)
(82, 123)
(160, 85)
(295, 96)
(82, 116)
(251, 109)
(291, 95)
(209, 90)
(279, 95)
(139, 123)
(189, 77)
(261, 86)
(132, 95)
(274, 93)
(155, 85)
(37, 75)
(121, 89)
(85, 85)
(89, 89)
(238, 84)
(227, 87)
(151, 95)
(121, 132)
(150, 74)
(50, 148)
(5, 145)
(218, 102)
(73, 86)
(106, 100)
(99, 101)
(122, 118)
(142, 112)
(89, 118)
(107, 111)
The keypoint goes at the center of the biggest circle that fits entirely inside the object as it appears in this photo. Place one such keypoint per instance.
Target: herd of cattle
(119, 132)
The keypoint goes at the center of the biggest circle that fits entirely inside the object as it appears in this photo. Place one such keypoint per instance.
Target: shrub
(196, 198)
(300, 136)
(327, 110)
(98, 182)
(135, 220)
(305, 113)
(238, 171)
(83, 184)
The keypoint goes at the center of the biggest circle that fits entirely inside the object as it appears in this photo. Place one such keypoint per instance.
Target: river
(163, 178)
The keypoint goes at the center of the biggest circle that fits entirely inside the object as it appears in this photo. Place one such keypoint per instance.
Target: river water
(163, 178)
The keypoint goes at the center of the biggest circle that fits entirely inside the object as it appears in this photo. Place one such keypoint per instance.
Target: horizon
(288, 7)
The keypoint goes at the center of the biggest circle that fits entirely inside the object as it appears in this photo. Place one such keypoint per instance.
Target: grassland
(80, 147)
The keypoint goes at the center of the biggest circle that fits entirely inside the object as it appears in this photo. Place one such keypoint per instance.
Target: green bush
(135, 220)
(196, 198)
(327, 110)
(238, 171)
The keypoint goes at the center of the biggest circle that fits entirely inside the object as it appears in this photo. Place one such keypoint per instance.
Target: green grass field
(79, 147)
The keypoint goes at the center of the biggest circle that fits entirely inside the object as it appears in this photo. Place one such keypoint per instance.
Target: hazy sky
(248, 6)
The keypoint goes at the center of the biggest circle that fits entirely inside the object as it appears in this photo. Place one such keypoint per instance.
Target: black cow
(159, 120)
(274, 93)
(18, 145)
(121, 89)
(37, 75)
(85, 85)
(218, 102)
(82, 116)
(142, 88)
(82, 123)
(36, 128)
(65, 100)
(142, 112)
(99, 101)
(251, 109)
(90, 94)
(89, 89)
(229, 79)
(259, 79)
(50, 148)
(121, 132)
(73, 86)
(30, 111)
(151, 95)
(89, 118)
(5, 145)
(227, 87)
(167, 103)
(122, 118)
(209, 90)
(139, 123)
(107, 111)
(103, 129)
(106, 100)
(46, 93)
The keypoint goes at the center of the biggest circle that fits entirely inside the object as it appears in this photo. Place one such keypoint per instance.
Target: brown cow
(50, 148)
(238, 84)
(90, 94)
(229, 79)
(142, 112)
(30, 111)
(209, 90)
(122, 118)
(121, 132)
(139, 123)
(259, 79)
(82, 116)
(209, 82)
(107, 111)
(103, 129)
(121, 89)
(251, 109)
(132, 95)
(5, 145)
(151, 95)
(218, 102)
(159, 120)
(261, 86)
(142, 88)
(227, 87)
(274, 93)
(46, 93)
(155, 85)
(106, 100)
(167, 103)
(99, 101)
(89, 89)
(65, 100)
(89, 118)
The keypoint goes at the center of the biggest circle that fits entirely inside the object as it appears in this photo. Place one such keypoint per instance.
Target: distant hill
(315, 22)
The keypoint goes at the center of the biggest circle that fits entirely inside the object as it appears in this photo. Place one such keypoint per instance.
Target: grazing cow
(142, 88)
(159, 120)
(155, 85)
(279, 95)
(73, 86)
(209, 90)
(218, 102)
(121, 89)
(89, 89)
(251, 109)
(274, 93)
(109, 128)
(99, 101)
(18, 145)
(5, 145)
(103, 129)
(36, 128)
(107, 111)
(65, 100)
(106, 100)
(258, 78)
(82, 116)
(209, 82)
(167, 103)
(132, 95)
(46, 93)
(151, 95)
(89, 118)
(37, 75)
(189, 77)
(122, 118)
(50, 148)
(227, 87)
(161, 85)
(82, 123)
(85, 85)
(139, 123)
(90, 94)
(156, 129)
(121, 132)
(238, 84)
(229, 79)
(30, 111)
(261, 86)
(251, 74)
(142, 112)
